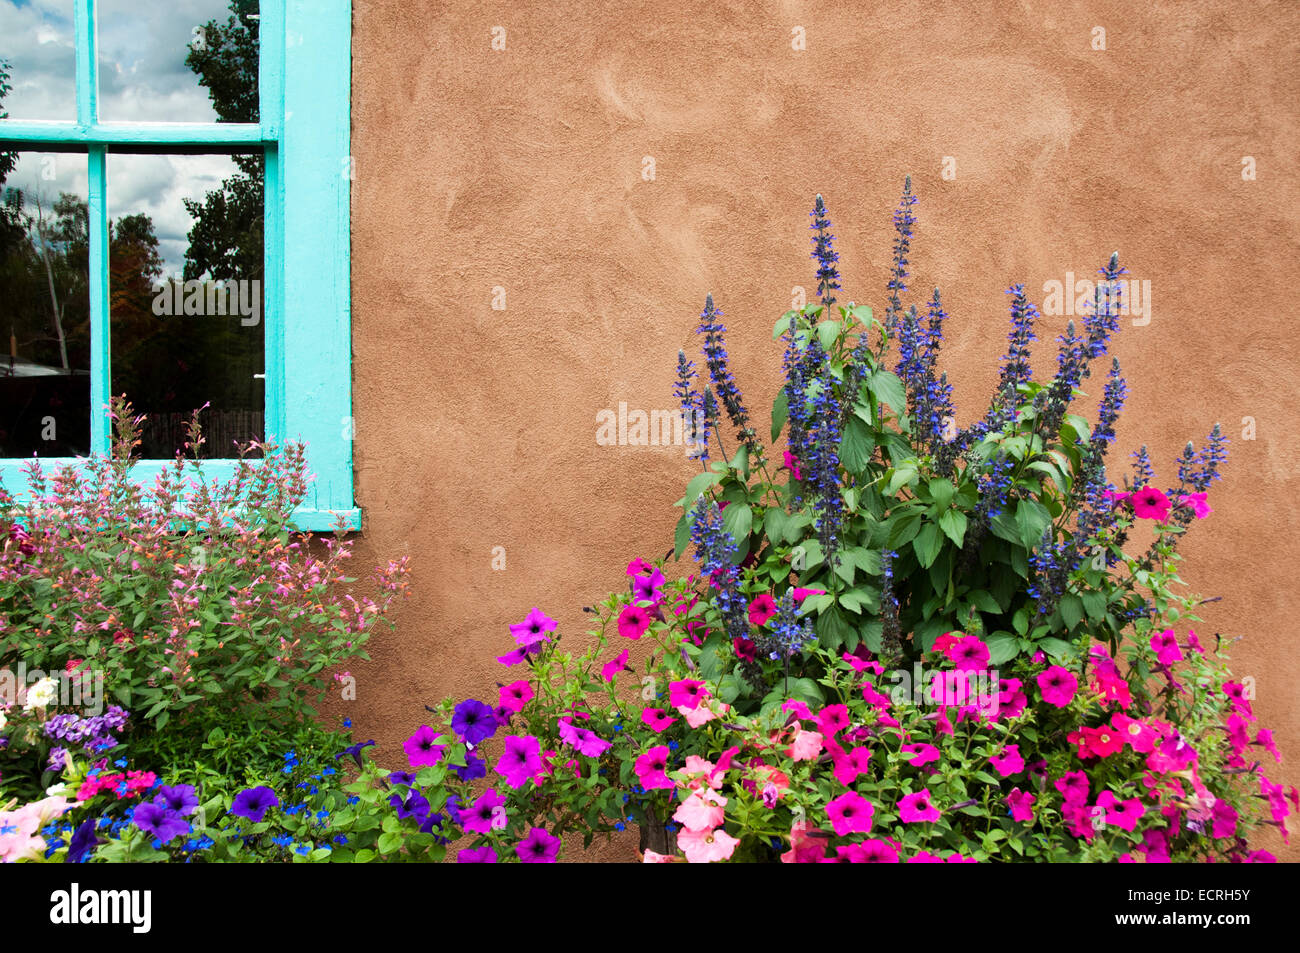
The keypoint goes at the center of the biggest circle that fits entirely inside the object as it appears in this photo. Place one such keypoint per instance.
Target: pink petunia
(1008, 761)
(1165, 645)
(807, 746)
(613, 667)
(848, 765)
(920, 754)
(801, 594)
(516, 695)
(633, 621)
(850, 813)
(1224, 820)
(686, 693)
(521, 760)
(651, 767)
(1150, 504)
(656, 718)
(833, 719)
(638, 567)
(799, 709)
(1138, 735)
(1197, 502)
(917, 807)
(1057, 686)
(761, 609)
(1122, 814)
(699, 814)
(534, 628)
(420, 748)
(698, 715)
(1194, 643)
(1073, 786)
(706, 847)
(1021, 804)
(876, 852)
(969, 654)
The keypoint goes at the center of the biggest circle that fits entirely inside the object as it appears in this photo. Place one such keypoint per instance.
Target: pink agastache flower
(516, 695)
(1057, 686)
(917, 807)
(920, 754)
(521, 760)
(1165, 645)
(706, 847)
(633, 621)
(651, 767)
(613, 667)
(686, 693)
(1122, 814)
(969, 654)
(1150, 504)
(656, 718)
(761, 609)
(1021, 804)
(534, 628)
(1008, 761)
(850, 813)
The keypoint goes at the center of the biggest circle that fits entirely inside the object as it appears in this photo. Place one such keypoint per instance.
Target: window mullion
(97, 278)
(87, 63)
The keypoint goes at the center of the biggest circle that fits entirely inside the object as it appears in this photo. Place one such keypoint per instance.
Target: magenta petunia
(1196, 502)
(515, 695)
(584, 740)
(486, 814)
(1165, 645)
(833, 719)
(792, 464)
(850, 813)
(1123, 814)
(648, 586)
(521, 759)
(1057, 686)
(420, 748)
(762, 608)
(651, 767)
(1021, 804)
(920, 754)
(534, 628)
(633, 621)
(1008, 761)
(969, 654)
(686, 693)
(477, 855)
(538, 847)
(613, 667)
(876, 852)
(1150, 504)
(656, 718)
(917, 807)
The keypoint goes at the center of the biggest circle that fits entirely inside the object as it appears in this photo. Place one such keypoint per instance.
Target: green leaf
(780, 411)
(729, 688)
(953, 523)
(902, 476)
(861, 599)
(1071, 610)
(827, 332)
(1094, 603)
(389, 843)
(1032, 519)
(984, 602)
(833, 630)
(1020, 621)
(682, 538)
(927, 544)
(845, 567)
(774, 523)
(889, 390)
(868, 560)
(903, 527)
(941, 492)
(739, 519)
(856, 445)
(783, 324)
(1003, 646)
(699, 483)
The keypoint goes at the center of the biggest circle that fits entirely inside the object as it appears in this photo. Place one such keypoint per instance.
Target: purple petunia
(159, 822)
(474, 721)
(253, 803)
(180, 798)
(538, 847)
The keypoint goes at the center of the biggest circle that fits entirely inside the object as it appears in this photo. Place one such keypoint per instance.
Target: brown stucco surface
(523, 169)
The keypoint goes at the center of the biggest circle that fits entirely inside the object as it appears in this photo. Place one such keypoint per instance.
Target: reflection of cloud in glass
(142, 78)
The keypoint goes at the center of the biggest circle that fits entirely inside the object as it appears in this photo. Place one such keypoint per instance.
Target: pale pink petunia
(807, 745)
(705, 847)
(697, 814)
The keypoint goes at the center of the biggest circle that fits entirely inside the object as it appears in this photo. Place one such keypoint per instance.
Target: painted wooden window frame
(305, 127)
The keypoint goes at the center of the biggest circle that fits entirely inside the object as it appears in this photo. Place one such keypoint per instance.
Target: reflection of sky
(142, 77)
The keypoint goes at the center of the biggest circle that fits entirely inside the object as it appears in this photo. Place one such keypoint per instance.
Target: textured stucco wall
(522, 169)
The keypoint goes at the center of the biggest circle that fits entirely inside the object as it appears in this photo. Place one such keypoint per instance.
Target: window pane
(179, 61)
(44, 306)
(40, 60)
(185, 293)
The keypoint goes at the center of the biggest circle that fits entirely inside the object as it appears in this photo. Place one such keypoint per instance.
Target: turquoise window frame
(305, 87)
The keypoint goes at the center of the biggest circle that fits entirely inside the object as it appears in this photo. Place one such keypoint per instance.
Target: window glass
(38, 60)
(44, 305)
(178, 61)
(186, 298)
